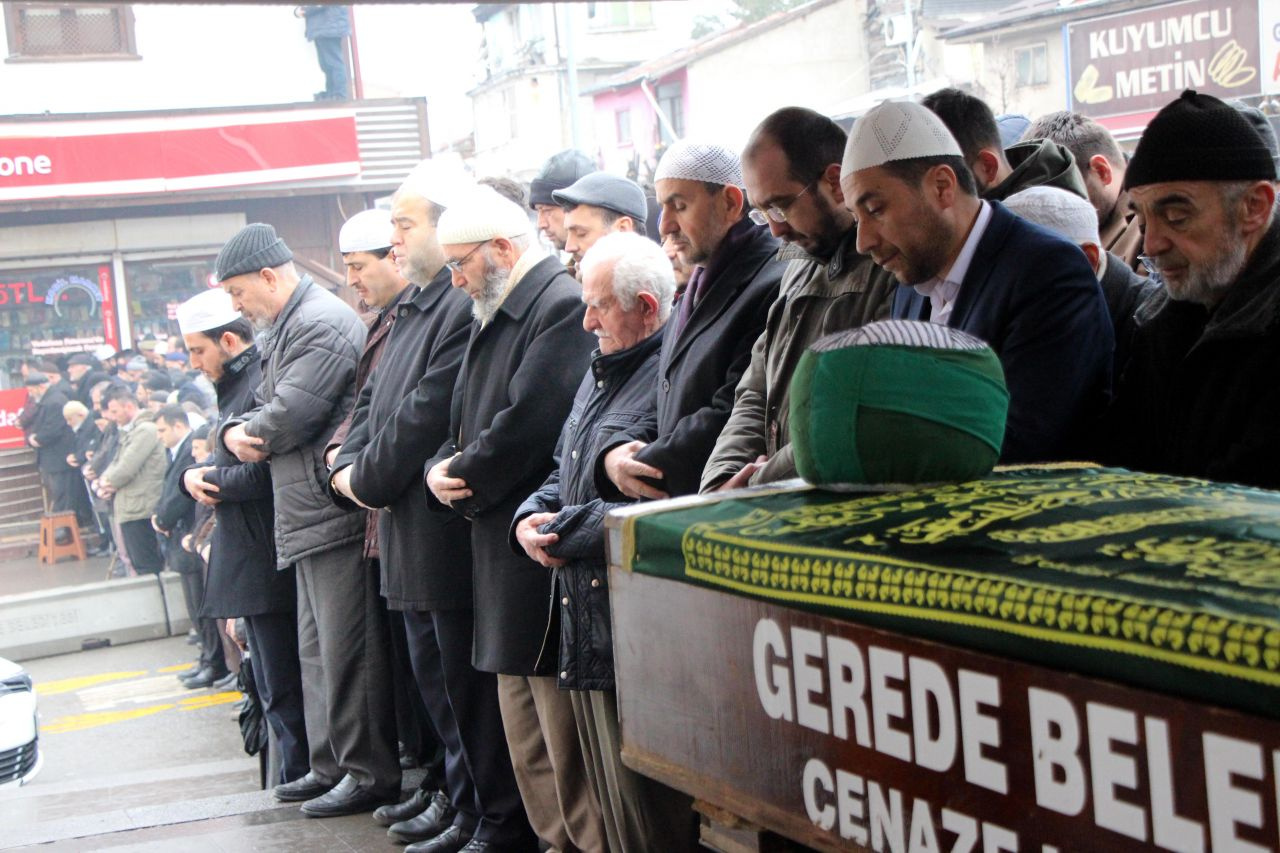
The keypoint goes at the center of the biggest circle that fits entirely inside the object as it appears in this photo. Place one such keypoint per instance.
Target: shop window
(1031, 65)
(671, 100)
(622, 15)
(622, 123)
(157, 287)
(53, 311)
(61, 31)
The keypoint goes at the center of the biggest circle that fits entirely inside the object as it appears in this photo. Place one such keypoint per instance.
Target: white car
(20, 757)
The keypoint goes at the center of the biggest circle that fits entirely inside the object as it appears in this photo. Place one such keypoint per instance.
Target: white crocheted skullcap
(209, 309)
(700, 161)
(367, 231)
(481, 215)
(439, 181)
(896, 130)
(1060, 211)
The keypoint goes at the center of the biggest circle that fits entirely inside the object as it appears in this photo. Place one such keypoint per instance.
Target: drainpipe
(662, 116)
(571, 70)
(358, 86)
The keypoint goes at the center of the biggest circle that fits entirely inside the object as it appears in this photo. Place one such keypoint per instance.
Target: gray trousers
(547, 758)
(344, 653)
(640, 815)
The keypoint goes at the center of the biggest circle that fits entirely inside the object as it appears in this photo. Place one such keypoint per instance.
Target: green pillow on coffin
(897, 402)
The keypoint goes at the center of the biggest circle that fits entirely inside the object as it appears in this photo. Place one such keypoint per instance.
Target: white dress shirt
(943, 290)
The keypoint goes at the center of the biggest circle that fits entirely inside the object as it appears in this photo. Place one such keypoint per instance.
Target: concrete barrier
(57, 621)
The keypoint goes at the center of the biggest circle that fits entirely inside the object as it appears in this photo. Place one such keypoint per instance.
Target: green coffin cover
(1160, 582)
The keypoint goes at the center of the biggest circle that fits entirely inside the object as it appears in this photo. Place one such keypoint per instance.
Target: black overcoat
(512, 396)
(50, 429)
(243, 580)
(400, 420)
(701, 364)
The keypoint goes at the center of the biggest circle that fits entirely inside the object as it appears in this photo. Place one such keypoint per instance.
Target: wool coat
(701, 363)
(243, 579)
(513, 393)
(400, 420)
(137, 470)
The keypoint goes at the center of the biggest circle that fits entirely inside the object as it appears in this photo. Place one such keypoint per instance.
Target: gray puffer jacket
(309, 358)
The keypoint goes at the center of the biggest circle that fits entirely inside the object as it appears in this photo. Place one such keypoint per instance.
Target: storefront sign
(186, 152)
(11, 403)
(110, 329)
(1269, 35)
(62, 346)
(841, 736)
(1139, 61)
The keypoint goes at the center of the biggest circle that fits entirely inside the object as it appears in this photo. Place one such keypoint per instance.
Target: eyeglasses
(1153, 272)
(456, 266)
(778, 213)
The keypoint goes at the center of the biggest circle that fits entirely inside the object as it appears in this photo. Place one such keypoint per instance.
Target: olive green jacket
(137, 471)
(817, 297)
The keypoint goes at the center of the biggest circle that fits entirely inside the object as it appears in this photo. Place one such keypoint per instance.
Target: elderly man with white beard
(1199, 396)
(526, 354)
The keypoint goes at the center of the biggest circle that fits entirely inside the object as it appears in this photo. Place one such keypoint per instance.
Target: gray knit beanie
(255, 247)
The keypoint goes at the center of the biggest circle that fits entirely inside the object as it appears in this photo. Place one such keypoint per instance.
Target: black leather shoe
(190, 673)
(304, 788)
(451, 840)
(204, 678)
(412, 807)
(436, 819)
(347, 797)
(475, 845)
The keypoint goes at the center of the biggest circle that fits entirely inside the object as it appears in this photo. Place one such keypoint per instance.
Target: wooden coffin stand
(798, 723)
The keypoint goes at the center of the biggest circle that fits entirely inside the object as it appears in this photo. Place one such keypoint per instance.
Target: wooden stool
(50, 551)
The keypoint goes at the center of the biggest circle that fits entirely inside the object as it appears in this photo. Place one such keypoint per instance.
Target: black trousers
(68, 493)
(417, 732)
(189, 567)
(142, 546)
(463, 704)
(273, 641)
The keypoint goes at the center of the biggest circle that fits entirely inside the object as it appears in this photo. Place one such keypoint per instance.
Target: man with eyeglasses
(707, 343)
(827, 286)
(525, 357)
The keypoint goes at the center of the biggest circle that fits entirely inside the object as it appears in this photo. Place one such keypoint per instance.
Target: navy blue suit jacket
(1033, 298)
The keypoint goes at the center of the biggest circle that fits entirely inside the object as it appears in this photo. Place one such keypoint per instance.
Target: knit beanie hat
(481, 215)
(255, 247)
(560, 171)
(897, 402)
(1199, 138)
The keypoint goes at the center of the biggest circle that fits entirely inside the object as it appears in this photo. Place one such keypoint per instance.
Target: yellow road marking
(211, 700)
(177, 667)
(69, 685)
(79, 722)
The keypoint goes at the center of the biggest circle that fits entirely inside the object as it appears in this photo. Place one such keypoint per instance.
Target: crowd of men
(408, 511)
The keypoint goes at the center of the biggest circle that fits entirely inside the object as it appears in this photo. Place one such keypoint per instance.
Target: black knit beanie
(1199, 138)
(560, 171)
(255, 247)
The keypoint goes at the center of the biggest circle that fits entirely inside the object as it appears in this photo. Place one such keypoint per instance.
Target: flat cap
(561, 170)
(612, 192)
(82, 358)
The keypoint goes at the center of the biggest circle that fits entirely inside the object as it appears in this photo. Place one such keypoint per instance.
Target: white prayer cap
(367, 231)
(104, 352)
(481, 215)
(210, 309)
(438, 181)
(700, 161)
(1060, 211)
(896, 130)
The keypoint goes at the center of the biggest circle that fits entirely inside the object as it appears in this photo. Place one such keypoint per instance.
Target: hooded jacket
(1038, 163)
(309, 358)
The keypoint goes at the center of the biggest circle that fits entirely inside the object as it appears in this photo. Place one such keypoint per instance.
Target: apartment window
(1031, 65)
(59, 31)
(622, 15)
(671, 99)
(622, 123)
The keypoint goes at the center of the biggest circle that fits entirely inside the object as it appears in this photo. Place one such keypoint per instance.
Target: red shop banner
(153, 155)
(11, 403)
